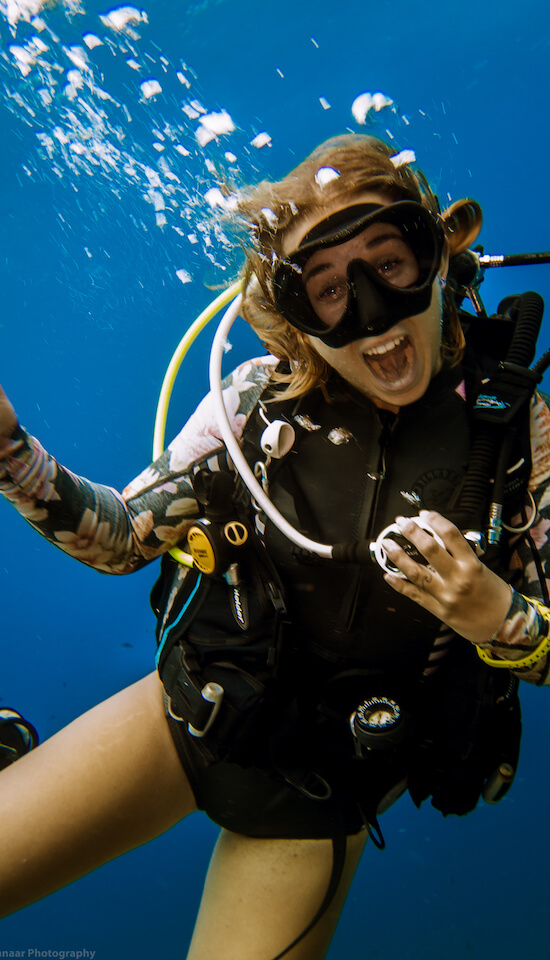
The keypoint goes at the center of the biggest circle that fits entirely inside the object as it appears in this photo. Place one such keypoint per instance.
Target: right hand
(8, 417)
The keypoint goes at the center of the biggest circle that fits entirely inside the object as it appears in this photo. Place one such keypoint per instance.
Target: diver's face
(395, 367)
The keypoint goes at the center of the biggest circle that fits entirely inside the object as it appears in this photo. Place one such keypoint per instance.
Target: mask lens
(328, 294)
(380, 245)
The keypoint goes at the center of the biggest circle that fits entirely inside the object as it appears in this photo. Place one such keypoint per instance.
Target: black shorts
(257, 802)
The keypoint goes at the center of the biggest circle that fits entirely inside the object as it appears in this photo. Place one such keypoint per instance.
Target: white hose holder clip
(379, 554)
(277, 439)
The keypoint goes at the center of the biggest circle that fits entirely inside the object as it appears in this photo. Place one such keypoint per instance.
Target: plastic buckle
(187, 700)
(212, 693)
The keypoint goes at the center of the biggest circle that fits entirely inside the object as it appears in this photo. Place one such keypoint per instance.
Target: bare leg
(107, 783)
(260, 895)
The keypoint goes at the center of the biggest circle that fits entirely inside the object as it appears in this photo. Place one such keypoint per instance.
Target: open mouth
(392, 362)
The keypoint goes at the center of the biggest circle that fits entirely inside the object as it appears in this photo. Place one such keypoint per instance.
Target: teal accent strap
(183, 610)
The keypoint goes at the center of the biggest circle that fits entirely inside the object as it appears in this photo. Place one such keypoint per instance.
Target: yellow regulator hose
(180, 353)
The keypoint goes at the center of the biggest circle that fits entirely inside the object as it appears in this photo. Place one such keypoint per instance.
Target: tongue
(393, 364)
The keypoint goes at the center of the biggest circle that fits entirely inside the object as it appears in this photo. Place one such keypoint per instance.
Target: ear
(462, 222)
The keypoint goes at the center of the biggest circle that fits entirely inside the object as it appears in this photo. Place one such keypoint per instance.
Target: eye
(388, 266)
(333, 291)
(327, 292)
(395, 262)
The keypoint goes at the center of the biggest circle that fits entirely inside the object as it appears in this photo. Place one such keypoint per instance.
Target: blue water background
(92, 309)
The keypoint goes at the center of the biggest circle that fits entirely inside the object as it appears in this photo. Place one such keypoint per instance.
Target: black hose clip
(505, 393)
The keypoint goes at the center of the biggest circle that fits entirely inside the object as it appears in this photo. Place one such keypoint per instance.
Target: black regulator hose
(338, 863)
(542, 365)
(485, 450)
(524, 340)
(470, 510)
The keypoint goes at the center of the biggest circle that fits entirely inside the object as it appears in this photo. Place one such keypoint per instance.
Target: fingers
(454, 585)
(418, 589)
(447, 576)
(435, 554)
(473, 601)
(455, 544)
(413, 571)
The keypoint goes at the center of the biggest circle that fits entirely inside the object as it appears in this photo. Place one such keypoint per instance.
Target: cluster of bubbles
(103, 105)
(105, 109)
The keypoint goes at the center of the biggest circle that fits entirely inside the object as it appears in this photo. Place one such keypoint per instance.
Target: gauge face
(379, 718)
(378, 713)
(378, 723)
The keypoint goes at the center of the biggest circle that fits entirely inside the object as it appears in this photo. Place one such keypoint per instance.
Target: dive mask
(370, 303)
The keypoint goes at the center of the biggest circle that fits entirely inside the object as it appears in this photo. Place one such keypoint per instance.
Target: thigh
(261, 894)
(108, 782)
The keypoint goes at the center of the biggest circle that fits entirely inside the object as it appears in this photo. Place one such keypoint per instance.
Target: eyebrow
(308, 275)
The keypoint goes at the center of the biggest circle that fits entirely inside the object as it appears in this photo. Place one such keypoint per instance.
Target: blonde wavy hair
(270, 209)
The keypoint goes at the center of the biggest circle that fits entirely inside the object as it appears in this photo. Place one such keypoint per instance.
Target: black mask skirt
(373, 305)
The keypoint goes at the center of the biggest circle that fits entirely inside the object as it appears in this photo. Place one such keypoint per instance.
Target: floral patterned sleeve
(526, 629)
(118, 533)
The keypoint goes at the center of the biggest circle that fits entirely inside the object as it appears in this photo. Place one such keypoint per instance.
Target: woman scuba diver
(302, 693)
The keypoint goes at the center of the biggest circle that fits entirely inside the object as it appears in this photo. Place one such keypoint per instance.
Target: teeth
(385, 347)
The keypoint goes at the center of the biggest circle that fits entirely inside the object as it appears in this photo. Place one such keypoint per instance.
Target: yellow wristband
(528, 661)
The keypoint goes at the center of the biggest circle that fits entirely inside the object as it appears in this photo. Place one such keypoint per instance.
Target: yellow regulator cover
(201, 549)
